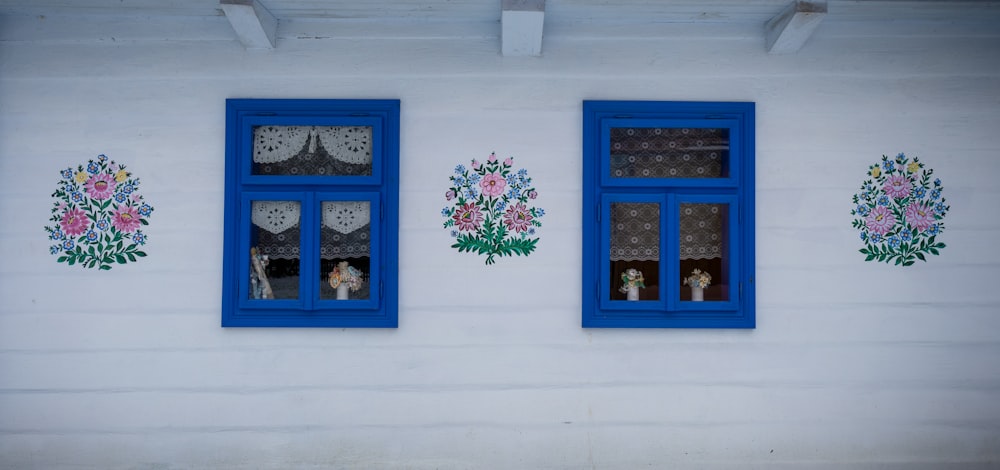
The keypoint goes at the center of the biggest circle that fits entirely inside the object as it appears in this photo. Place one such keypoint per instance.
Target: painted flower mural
(899, 211)
(97, 215)
(490, 213)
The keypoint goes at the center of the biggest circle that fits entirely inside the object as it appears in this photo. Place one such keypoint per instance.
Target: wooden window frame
(380, 189)
(735, 189)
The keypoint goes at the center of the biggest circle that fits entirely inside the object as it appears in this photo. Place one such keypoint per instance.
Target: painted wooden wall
(853, 364)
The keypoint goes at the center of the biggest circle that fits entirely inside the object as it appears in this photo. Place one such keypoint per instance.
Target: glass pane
(345, 250)
(312, 150)
(274, 260)
(635, 251)
(704, 252)
(656, 152)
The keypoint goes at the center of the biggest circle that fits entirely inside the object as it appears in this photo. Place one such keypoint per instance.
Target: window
(311, 213)
(668, 201)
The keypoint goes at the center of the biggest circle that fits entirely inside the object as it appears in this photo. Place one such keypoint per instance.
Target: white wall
(853, 364)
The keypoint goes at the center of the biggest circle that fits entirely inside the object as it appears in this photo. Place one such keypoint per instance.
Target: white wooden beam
(787, 32)
(521, 27)
(254, 25)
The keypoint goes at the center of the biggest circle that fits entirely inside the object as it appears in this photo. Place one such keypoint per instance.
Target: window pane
(274, 236)
(635, 251)
(704, 252)
(312, 150)
(657, 152)
(345, 250)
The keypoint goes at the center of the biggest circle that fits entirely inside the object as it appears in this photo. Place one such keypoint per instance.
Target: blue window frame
(668, 200)
(311, 213)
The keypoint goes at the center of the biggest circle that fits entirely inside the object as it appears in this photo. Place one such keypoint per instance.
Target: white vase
(697, 294)
(342, 291)
(633, 293)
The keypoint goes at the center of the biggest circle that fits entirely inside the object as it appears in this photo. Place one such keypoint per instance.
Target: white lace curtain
(342, 216)
(635, 231)
(668, 153)
(351, 144)
(343, 228)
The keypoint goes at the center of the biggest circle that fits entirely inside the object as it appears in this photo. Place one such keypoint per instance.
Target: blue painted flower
(940, 208)
(876, 237)
(68, 245)
(933, 229)
(883, 200)
(91, 236)
(103, 225)
(862, 210)
(531, 231)
(56, 235)
(935, 193)
(906, 236)
(920, 192)
(102, 158)
(937, 181)
(900, 157)
(864, 236)
(54, 249)
(522, 172)
(446, 211)
(539, 212)
(459, 169)
(475, 178)
(77, 197)
(459, 181)
(139, 237)
(145, 210)
(454, 234)
(471, 193)
(68, 188)
(121, 197)
(127, 188)
(67, 173)
(512, 193)
(888, 165)
(501, 205)
(92, 168)
(894, 242)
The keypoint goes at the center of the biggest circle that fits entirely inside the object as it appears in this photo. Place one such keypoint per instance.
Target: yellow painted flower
(913, 167)
(876, 171)
(120, 176)
(80, 177)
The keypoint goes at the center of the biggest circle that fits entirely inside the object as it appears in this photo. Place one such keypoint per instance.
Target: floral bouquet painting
(900, 211)
(490, 214)
(97, 216)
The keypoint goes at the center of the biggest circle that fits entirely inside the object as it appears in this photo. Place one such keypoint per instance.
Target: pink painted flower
(126, 219)
(517, 218)
(74, 222)
(476, 164)
(508, 162)
(532, 194)
(468, 217)
(880, 220)
(493, 158)
(493, 184)
(897, 186)
(449, 195)
(920, 215)
(101, 186)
